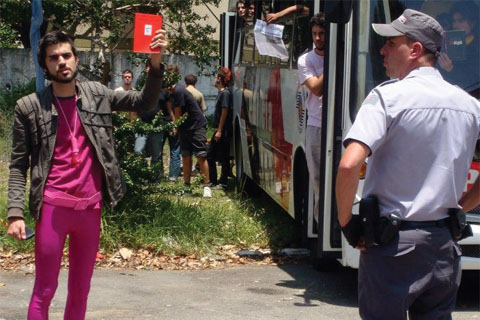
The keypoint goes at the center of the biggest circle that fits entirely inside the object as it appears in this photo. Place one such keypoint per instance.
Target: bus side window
(260, 59)
(287, 40)
(248, 44)
(302, 38)
(287, 20)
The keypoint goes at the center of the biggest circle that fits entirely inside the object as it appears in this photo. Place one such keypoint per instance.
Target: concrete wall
(16, 66)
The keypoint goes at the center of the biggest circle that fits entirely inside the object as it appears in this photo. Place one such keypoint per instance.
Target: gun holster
(377, 230)
(459, 227)
(369, 213)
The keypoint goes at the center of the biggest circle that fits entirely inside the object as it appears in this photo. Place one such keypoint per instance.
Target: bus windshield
(459, 62)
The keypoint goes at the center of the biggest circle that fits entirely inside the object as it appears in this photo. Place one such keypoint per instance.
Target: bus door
(328, 242)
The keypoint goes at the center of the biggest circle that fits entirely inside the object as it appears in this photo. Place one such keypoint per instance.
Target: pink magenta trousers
(83, 229)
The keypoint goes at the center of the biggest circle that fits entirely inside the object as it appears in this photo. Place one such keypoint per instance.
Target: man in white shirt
(310, 74)
(127, 78)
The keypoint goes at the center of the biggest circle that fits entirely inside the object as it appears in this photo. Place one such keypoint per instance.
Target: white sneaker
(207, 192)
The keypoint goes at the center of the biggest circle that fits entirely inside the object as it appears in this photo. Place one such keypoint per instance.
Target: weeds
(191, 225)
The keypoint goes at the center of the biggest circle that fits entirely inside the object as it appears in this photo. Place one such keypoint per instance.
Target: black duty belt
(424, 224)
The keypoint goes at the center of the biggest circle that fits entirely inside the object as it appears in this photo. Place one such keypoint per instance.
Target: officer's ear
(416, 50)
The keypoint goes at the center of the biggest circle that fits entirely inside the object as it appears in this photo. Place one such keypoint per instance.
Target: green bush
(140, 178)
(8, 99)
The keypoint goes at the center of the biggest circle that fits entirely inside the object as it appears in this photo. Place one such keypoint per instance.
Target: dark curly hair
(53, 37)
(318, 20)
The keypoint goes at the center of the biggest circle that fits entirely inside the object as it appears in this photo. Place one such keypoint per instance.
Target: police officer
(419, 133)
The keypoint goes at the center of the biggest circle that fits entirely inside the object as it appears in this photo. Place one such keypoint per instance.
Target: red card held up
(145, 27)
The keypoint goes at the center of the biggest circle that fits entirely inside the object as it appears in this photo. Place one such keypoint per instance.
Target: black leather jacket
(34, 133)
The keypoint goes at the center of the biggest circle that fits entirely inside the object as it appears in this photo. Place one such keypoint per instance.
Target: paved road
(248, 292)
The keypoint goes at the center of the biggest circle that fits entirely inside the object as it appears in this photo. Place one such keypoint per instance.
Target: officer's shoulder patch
(371, 99)
(388, 82)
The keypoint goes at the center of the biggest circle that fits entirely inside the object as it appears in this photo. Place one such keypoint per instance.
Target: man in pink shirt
(64, 134)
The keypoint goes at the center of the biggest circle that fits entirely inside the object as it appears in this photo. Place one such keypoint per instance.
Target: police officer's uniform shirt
(310, 65)
(422, 133)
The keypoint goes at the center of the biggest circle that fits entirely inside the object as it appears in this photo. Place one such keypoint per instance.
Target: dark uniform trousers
(419, 273)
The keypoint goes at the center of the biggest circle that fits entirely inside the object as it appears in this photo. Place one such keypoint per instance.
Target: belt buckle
(81, 204)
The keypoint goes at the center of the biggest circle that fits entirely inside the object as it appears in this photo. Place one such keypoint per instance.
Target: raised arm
(300, 9)
(147, 98)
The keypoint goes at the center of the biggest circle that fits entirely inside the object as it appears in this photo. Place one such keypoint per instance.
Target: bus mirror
(338, 11)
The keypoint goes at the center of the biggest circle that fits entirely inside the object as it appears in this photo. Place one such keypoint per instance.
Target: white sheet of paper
(273, 30)
(268, 40)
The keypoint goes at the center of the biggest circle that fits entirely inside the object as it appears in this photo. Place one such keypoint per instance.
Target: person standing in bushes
(64, 135)
(219, 147)
(191, 81)
(127, 78)
(192, 132)
(156, 140)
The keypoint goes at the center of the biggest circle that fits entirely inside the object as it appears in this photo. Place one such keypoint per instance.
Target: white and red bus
(270, 121)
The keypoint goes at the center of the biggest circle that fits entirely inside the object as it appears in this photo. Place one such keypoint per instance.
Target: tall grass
(184, 225)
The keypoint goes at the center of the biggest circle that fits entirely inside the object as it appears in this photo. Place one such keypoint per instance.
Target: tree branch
(213, 14)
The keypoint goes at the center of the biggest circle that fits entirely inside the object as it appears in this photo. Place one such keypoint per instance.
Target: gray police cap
(417, 26)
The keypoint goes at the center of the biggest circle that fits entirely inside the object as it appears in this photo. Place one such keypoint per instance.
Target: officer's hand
(445, 62)
(353, 232)
(158, 41)
(16, 228)
(361, 244)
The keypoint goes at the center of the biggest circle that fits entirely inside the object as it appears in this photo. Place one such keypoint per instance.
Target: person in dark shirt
(192, 132)
(464, 71)
(219, 148)
(156, 140)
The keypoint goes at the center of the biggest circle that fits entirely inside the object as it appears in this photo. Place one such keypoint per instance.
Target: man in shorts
(192, 132)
